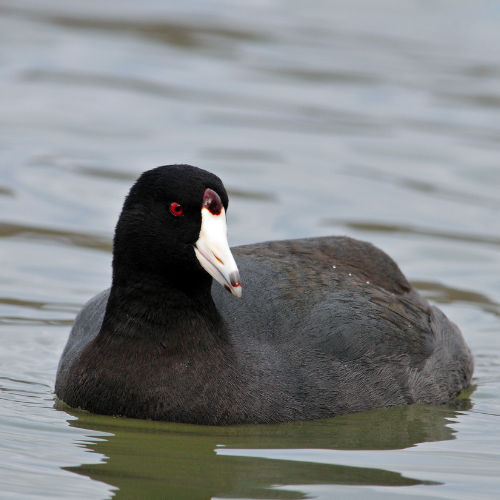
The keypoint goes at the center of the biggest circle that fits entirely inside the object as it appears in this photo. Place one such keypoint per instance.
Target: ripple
(489, 101)
(248, 194)
(81, 166)
(20, 382)
(383, 227)
(446, 295)
(180, 34)
(21, 320)
(323, 76)
(306, 120)
(82, 78)
(173, 33)
(106, 173)
(72, 238)
(479, 70)
(5, 191)
(45, 306)
(427, 187)
(151, 88)
(251, 155)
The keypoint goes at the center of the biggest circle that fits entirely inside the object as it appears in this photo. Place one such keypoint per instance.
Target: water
(380, 120)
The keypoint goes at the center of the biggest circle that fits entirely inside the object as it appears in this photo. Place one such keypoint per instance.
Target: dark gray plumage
(307, 340)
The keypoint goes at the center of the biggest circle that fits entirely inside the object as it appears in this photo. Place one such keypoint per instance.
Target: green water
(158, 459)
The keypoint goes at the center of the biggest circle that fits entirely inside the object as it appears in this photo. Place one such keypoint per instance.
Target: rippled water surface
(380, 120)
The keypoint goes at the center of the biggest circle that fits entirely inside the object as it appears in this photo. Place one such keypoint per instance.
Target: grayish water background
(380, 120)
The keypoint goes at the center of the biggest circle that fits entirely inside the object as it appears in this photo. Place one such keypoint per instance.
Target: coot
(326, 326)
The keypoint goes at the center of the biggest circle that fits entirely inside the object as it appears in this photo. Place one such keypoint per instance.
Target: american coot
(326, 326)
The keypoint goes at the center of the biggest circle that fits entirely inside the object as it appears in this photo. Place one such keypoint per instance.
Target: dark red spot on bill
(212, 202)
(234, 278)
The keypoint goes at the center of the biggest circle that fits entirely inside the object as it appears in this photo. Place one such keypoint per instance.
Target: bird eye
(176, 209)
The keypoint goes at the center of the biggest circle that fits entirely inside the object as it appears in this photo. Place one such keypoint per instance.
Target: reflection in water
(182, 459)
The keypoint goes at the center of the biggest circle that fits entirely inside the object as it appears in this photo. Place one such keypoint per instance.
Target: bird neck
(163, 314)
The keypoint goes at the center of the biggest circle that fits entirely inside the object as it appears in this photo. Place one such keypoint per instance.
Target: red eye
(176, 208)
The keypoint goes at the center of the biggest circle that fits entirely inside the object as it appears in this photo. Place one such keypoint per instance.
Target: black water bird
(326, 326)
